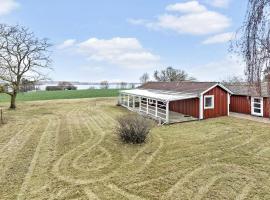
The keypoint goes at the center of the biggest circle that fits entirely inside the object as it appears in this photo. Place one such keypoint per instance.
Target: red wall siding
(266, 107)
(240, 104)
(220, 105)
(187, 107)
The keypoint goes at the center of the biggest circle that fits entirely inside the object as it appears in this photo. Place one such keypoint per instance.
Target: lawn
(65, 94)
(67, 149)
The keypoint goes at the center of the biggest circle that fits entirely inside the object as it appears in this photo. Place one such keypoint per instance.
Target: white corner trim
(213, 101)
(229, 102)
(201, 107)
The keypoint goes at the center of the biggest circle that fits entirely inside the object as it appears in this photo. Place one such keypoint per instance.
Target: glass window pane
(256, 110)
(208, 102)
(257, 105)
(257, 100)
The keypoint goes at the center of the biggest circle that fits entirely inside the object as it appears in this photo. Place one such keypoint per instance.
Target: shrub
(70, 87)
(57, 87)
(133, 128)
(53, 88)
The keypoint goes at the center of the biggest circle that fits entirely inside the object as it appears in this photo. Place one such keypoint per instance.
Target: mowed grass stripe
(8, 131)
(9, 151)
(65, 136)
(10, 183)
(36, 176)
(61, 169)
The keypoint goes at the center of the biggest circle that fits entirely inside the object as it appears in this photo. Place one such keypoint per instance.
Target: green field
(66, 94)
(67, 149)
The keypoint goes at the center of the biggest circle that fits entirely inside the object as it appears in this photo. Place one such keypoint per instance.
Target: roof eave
(189, 96)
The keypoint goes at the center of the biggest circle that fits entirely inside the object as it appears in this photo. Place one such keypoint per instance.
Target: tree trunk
(13, 101)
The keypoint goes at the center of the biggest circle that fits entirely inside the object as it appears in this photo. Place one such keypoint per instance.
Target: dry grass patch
(67, 149)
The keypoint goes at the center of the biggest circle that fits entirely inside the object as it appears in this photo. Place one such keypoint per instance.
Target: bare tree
(170, 74)
(266, 74)
(104, 84)
(123, 85)
(27, 85)
(22, 55)
(144, 78)
(233, 80)
(254, 42)
(65, 85)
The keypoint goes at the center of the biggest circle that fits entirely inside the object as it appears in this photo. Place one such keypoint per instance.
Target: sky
(119, 40)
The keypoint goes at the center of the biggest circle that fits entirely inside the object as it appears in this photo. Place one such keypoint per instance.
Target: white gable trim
(220, 85)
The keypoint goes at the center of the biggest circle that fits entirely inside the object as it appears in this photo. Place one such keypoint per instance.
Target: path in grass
(68, 150)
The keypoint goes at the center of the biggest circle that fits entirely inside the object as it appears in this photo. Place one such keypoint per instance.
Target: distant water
(85, 87)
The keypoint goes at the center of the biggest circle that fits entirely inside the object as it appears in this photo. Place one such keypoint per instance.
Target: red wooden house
(175, 101)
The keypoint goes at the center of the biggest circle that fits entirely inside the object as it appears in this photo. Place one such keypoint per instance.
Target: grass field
(67, 149)
(66, 94)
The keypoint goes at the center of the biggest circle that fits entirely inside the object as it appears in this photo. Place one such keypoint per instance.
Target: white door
(257, 106)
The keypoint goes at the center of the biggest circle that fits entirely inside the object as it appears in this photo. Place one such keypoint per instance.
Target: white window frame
(261, 108)
(213, 102)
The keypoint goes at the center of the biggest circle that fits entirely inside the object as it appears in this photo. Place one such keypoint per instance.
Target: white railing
(157, 110)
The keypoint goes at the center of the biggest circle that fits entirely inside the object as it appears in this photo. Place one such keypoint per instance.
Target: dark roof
(247, 90)
(186, 86)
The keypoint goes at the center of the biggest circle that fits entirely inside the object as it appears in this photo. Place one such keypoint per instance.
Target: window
(257, 106)
(209, 102)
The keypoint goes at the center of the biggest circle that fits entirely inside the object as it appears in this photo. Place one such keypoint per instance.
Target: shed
(247, 100)
(172, 102)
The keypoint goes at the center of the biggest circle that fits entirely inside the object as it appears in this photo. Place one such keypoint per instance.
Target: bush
(70, 87)
(57, 87)
(133, 128)
(53, 88)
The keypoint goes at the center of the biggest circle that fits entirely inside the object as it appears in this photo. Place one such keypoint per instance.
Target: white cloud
(195, 23)
(124, 52)
(189, 18)
(187, 7)
(137, 21)
(66, 44)
(219, 38)
(219, 3)
(231, 65)
(6, 6)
